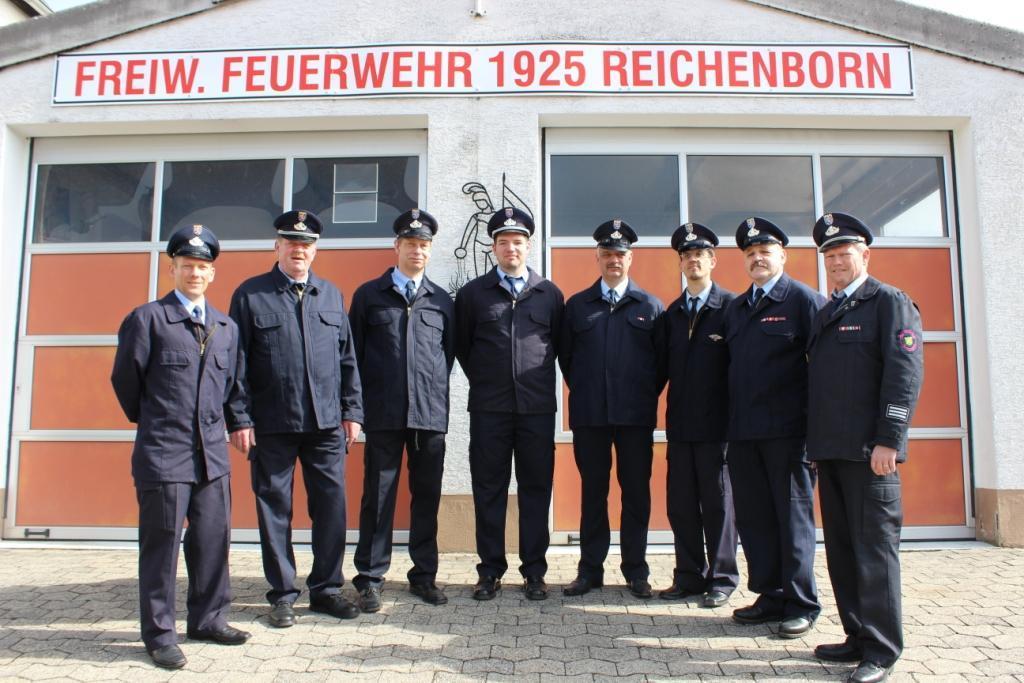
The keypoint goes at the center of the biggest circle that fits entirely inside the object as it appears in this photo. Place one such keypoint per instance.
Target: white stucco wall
(481, 138)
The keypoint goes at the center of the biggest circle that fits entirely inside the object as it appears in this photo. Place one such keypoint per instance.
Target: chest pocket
(854, 332)
(380, 316)
(268, 321)
(332, 318)
(434, 319)
(173, 359)
(641, 321)
(582, 323)
(778, 328)
(542, 318)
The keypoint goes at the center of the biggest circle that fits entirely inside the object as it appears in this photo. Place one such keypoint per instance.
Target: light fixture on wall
(478, 10)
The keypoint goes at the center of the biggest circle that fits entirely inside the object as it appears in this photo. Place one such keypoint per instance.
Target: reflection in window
(356, 197)
(725, 190)
(642, 190)
(895, 196)
(94, 203)
(355, 193)
(235, 199)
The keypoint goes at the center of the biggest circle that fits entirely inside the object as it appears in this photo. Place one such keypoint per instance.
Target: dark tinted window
(235, 199)
(94, 203)
(586, 191)
(724, 190)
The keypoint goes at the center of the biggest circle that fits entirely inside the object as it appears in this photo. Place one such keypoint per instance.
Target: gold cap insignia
(301, 227)
(415, 224)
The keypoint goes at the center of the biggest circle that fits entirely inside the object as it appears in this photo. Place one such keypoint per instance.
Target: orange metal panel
(933, 483)
(76, 484)
(925, 275)
(349, 268)
(566, 491)
(233, 267)
(801, 264)
(654, 269)
(939, 405)
(65, 290)
(71, 389)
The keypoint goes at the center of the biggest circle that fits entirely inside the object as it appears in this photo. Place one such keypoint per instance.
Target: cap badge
(831, 231)
(196, 242)
(197, 230)
(753, 232)
(828, 219)
(751, 222)
(415, 213)
(616, 235)
(509, 221)
(301, 227)
(690, 237)
(302, 216)
(416, 225)
(616, 224)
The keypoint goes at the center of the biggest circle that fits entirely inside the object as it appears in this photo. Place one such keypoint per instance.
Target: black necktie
(513, 285)
(198, 331)
(410, 291)
(758, 293)
(613, 297)
(837, 300)
(693, 307)
(299, 288)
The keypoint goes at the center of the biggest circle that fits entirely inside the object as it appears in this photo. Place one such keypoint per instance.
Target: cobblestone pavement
(71, 614)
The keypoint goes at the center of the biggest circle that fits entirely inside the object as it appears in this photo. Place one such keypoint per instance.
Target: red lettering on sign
(765, 71)
(819, 67)
(110, 72)
(423, 67)
(334, 68)
(308, 71)
(81, 76)
(399, 67)
(641, 65)
(849, 65)
(675, 58)
(277, 83)
(370, 68)
(792, 73)
(704, 66)
(177, 80)
(883, 71)
(228, 72)
(459, 63)
(615, 61)
(252, 71)
(737, 69)
(134, 74)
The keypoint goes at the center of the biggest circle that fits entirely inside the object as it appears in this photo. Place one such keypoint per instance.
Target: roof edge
(87, 24)
(973, 40)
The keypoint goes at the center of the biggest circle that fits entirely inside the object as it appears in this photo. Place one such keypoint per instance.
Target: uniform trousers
(382, 473)
(773, 489)
(700, 511)
(163, 508)
(634, 453)
(862, 514)
(494, 439)
(322, 456)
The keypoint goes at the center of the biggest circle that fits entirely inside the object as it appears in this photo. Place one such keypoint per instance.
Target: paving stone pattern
(71, 614)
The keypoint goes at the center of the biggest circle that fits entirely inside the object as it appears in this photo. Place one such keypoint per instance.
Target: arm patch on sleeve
(909, 340)
(897, 412)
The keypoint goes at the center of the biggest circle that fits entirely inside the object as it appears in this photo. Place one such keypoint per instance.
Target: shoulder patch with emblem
(909, 340)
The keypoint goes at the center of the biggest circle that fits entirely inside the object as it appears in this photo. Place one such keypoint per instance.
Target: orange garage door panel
(731, 272)
(939, 405)
(924, 274)
(933, 483)
(71, 389)
(64, 290)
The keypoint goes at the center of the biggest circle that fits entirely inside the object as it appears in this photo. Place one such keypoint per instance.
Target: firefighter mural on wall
(473, 255)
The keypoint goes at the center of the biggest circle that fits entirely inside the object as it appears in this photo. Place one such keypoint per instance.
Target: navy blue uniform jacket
(157, 382)
(279, 383)
(866, 368)
(768, 362)
(698, 369)
(508, 349)
(405, 354)
(611, 360)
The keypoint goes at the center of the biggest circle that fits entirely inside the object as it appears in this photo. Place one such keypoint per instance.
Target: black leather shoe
(869, 672)
(535, 588)
(795, 627)
(429, 593)
(839, 652)
(639, 588)
(282, 615)
(225, 635)
(677, 592)
(336, 605)
(369, 599)
(168, 657)
(713, 599)
(581, 585)
(754, 614)
(487, 588)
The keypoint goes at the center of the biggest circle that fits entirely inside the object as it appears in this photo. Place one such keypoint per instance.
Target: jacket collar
(282, 282)
(176, 313)
(384, 283)
(533, 280)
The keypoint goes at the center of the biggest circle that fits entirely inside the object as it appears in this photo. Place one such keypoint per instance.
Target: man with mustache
(772, 482)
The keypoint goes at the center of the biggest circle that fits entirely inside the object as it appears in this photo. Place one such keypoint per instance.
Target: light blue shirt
(620, 290)
(506, 281)
(852, 287)
(191, 305)
(701, 298)
(767, 287)
(399, 278)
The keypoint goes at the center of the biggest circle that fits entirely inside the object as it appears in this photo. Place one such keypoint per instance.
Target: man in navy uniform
(610, 359)
(698, 492)
(772, 482)
(507, 325)
(403, 326)
(174, 371)
(298, 366)
(865, 370)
